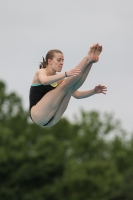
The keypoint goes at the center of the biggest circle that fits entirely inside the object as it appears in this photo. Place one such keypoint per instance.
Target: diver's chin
(59, 70)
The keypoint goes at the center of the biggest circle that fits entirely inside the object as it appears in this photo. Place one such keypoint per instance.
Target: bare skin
(55, 102)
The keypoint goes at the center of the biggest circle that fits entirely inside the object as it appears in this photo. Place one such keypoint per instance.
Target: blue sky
(31, 28)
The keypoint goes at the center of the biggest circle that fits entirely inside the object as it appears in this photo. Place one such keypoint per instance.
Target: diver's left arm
(84, 94)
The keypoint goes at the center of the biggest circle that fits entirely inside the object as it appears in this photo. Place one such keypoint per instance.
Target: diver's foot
(94, 53)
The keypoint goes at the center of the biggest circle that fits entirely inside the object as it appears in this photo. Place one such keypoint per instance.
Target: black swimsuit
(37, 91)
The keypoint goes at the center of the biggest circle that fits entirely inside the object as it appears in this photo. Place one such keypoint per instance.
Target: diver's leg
(64, 103)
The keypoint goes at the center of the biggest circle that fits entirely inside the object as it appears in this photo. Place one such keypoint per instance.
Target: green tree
(68, 161)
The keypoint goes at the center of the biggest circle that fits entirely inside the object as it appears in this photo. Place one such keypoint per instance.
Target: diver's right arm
(46, 80)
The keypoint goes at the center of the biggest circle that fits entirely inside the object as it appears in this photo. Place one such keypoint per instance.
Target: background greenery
(89, 159)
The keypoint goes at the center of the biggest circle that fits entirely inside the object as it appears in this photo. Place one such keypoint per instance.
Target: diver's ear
(49, 61)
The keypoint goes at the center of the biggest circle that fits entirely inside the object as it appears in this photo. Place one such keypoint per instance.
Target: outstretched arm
(84, 94)
(45, 80)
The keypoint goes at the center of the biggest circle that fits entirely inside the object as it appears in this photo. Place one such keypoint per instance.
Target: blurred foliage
(68, 161)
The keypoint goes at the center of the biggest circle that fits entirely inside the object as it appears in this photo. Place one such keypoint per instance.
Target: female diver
(50, 92)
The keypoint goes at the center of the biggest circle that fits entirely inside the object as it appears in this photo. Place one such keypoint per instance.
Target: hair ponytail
(42, 64)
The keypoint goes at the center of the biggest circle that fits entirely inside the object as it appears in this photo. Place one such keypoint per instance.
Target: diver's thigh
(44, 110)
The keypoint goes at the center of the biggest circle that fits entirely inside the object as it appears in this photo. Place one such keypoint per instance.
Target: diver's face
(57, 62)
